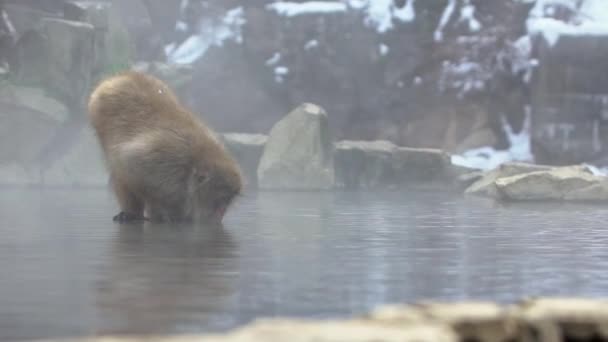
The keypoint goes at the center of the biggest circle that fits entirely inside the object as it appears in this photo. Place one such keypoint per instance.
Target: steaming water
(67, 270)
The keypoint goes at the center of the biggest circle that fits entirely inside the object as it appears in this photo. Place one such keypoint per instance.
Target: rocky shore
(532, 320)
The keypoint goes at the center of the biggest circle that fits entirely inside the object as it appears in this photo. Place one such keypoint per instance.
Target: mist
(391, 151)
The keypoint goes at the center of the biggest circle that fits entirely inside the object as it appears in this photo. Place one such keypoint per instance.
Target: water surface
(68, 270)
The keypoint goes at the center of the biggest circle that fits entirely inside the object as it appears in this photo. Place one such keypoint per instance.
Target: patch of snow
(463, 76)
(407, 13)
(445, 19)
(380, 14)
(311, 44)
(181, 26)
(292, 9)
(597, 171)
(274, 59)
(211, 33)
(467, 15)
(280, 72)
(383, 49)
(488, 158)
(588, 17)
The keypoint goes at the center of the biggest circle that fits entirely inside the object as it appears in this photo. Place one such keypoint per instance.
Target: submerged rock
(247, 149)
(298, 154)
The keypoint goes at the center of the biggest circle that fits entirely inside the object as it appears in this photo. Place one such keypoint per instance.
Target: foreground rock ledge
(543, 320)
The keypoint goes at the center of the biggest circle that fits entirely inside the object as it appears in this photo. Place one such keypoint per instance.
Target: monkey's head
(213, 189)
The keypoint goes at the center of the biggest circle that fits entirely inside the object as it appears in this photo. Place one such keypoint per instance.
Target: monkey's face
(213, 194)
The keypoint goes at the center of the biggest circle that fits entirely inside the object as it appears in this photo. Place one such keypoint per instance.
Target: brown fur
(162, 159)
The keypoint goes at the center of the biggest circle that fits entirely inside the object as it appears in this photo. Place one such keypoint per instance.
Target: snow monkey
(163, 161)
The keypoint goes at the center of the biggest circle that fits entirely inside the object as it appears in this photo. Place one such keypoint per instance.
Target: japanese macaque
(164, 163)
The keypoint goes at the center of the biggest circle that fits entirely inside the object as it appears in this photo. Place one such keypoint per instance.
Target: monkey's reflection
(164, 279)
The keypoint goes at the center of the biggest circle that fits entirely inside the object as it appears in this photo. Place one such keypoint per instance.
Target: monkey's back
(131, 103)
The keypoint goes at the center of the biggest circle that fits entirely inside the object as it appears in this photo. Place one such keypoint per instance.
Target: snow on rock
(211, 33)
(292, 9)
(445, 18)
(407, 13)
(380, 14)
(586, 17)
(311, 44)
(274, 59)
(488, 158)
(467, 15)
(383, 49)
(463, 77)
(280, 72)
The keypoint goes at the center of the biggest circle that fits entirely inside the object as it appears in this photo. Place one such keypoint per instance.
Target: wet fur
(162, 159)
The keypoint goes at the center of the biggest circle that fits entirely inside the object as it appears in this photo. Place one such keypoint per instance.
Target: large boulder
(298, 154)
(554, 184)
(58, 56)
(247, 149)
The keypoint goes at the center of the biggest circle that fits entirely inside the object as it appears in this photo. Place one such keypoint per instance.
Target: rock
(564, 319)
(380, 163)
(477, 139)
(28, 121)
(486, 186)
(364, 164)
(59, 57)
(334, 331)
(247, 150)
(24, 18)
(298, 154)
(464, 179)
(554, 184)
(95, 13)
(415, 165)
(472, 321)
(35, 99)
(82, 165)
(597, 192)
